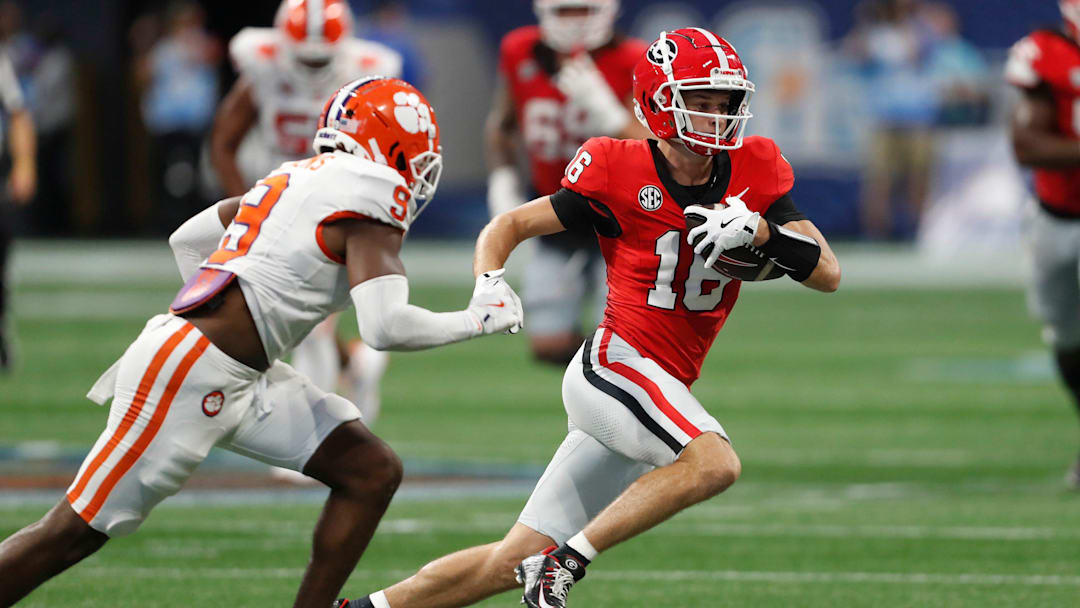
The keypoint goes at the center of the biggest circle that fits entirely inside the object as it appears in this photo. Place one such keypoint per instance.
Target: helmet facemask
(669, 98)
(426, 169)
(568, 33)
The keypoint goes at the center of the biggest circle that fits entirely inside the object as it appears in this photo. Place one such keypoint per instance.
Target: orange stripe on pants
(132, 414)
(148, 434)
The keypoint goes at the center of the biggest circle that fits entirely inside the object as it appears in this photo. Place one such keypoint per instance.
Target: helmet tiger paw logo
(413, 116)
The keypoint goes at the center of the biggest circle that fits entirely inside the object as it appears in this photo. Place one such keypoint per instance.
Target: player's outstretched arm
(380, 293)
(507, 230)
(1035, 138)
(825, 273)
(198, 237)
(234, 118)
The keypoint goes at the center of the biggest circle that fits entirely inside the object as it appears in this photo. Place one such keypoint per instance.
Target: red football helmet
(387, 121)
(312, 29)
(567, 33)
(692, 59)
(1070, 10)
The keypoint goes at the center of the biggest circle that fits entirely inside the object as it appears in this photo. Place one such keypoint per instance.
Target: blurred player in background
(307, 240)
(1045, 65)
(640, 447)
(561, 82)
(285, 75)
(17, 189)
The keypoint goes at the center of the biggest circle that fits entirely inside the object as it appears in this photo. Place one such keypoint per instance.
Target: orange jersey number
(254, 209)
(400, 210)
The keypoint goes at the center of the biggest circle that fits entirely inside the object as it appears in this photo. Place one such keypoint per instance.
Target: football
(745, 263)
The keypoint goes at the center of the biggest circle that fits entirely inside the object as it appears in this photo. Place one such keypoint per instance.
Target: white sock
(582, 545)
(378, 599)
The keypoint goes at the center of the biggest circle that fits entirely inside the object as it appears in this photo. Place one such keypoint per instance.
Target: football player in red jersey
(640, 447)
(1045, 66)
(561, 82)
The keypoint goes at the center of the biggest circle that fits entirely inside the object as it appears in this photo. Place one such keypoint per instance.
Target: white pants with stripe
(176, 396)
(626, 416)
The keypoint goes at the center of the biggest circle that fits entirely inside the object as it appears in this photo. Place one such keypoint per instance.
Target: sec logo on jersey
(212, 403)
(650, 198)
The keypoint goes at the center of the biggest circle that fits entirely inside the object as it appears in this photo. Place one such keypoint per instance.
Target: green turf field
(899, 448)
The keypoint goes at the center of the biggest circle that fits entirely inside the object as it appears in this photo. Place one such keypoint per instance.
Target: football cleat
(547, 580)
(341, 603)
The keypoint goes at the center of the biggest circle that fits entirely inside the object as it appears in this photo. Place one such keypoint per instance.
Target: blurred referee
(20, 183)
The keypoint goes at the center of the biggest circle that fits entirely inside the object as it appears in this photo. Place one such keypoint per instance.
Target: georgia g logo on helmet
(663, 51)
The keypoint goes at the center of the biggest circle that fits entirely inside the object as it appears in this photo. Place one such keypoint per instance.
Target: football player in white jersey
(285, 75)
(263, 270)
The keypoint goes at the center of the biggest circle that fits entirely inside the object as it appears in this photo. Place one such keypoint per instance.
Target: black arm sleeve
(796, 253)
(582, 214)
(783, 210)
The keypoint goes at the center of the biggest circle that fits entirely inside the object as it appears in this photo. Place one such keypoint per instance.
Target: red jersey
(552, 128)
(1051, 60)
(661, 297)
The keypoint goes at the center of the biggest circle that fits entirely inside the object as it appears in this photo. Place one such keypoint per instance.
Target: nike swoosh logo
(725, 224)
(499, 305)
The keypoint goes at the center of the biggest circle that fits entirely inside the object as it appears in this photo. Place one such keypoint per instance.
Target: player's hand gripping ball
(742, 262)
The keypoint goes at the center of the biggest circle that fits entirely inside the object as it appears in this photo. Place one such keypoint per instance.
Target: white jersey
(291, 280)
(289, 101)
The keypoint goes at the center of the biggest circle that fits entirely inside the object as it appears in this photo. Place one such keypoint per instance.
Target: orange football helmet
(387, 121)
(312, 29)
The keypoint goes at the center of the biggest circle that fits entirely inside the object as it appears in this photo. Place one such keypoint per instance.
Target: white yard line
(900, 578)
(871, 531)
(667, 576)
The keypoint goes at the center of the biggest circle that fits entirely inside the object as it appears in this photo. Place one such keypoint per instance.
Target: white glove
(504, 190)
(726, 228)
(494, 305)
(584, 85)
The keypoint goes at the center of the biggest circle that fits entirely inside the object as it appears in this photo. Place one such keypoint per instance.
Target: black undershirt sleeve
(581, 214)
(783, 210)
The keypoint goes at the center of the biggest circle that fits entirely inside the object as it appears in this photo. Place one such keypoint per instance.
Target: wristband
(796, 253)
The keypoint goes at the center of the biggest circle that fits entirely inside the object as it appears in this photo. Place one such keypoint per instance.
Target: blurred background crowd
(889, 110)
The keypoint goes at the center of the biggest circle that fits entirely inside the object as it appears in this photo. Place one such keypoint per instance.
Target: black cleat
(547, 580)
